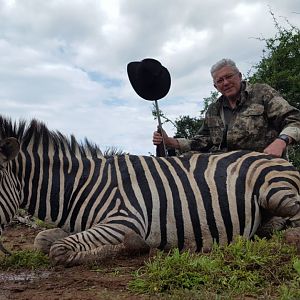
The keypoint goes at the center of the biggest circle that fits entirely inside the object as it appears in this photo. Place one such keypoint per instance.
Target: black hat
(149, 78)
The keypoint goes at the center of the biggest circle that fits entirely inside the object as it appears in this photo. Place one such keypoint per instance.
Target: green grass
(42, 224)
(264, 268)
(29, 259)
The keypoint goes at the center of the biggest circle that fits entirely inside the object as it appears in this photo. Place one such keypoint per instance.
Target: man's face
(227, 81)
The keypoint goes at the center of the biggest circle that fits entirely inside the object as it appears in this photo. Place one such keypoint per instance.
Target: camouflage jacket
(260, 116)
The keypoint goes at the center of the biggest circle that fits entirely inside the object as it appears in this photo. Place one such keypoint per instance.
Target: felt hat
(149, 78)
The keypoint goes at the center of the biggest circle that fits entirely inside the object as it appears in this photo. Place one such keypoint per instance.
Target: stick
(161, 148)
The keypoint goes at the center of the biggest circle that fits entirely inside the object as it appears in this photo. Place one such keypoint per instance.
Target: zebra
(104, 206)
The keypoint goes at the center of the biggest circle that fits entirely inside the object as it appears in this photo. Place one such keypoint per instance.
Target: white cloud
(64, 62)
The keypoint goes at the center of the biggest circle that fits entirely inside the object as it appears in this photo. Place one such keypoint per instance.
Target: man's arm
(285, 118)
(201, 142)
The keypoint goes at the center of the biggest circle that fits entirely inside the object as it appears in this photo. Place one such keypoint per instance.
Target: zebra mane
(37, 131)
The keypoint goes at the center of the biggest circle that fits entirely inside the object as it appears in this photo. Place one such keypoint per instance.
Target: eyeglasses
(226, 77)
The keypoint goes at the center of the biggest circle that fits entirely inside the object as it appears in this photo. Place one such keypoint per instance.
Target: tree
(280, 68)
(280, 63)
(187, 127)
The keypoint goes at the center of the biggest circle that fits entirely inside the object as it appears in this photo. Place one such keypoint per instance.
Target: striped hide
(103, 206)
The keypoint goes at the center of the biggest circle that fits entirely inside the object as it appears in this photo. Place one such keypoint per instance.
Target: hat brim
(155, 91)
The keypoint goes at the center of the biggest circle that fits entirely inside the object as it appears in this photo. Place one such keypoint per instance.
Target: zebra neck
(51, 185)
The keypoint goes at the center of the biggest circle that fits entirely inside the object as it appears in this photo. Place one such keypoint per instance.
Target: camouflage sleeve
(284, 117)
(201, 142)
(184, 144)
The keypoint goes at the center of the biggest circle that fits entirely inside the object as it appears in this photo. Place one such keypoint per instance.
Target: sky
(64, 62)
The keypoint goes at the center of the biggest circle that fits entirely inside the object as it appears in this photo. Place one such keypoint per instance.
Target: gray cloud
(64, 62)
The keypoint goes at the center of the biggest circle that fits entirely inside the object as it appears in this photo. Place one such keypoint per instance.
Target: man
(246, 116)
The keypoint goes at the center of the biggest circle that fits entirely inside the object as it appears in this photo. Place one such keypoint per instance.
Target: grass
(42, 224)
(28, 259)
(260, 268)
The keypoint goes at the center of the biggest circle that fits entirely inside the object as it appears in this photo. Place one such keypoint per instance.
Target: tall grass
(264, 268)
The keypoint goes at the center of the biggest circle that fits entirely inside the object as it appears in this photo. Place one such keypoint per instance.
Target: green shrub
(249, 268)
(29, 259)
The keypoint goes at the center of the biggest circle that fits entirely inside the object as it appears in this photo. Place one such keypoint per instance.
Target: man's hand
(276, 148)
(157, 137)
(169, 141)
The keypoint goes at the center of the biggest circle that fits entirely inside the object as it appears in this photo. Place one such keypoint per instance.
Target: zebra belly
(186, 235)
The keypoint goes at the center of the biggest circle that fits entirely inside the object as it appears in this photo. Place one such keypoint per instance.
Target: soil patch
(108, 281)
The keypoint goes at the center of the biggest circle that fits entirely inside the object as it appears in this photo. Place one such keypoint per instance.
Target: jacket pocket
(254, 110)
(253, 120)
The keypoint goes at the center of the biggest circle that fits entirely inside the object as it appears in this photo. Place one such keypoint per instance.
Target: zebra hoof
(135, 245)
(44, 239)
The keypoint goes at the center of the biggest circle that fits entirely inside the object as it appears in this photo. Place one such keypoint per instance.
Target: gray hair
(225, 62)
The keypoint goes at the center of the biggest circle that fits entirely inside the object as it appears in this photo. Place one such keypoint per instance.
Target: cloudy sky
(64, 61)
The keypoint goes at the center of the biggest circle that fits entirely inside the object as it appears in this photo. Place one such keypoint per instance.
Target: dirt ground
(109, 281)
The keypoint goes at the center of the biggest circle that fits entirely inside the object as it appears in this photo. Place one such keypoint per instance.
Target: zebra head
(9, 196)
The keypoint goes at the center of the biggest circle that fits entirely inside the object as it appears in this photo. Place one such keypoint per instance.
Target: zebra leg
(95, 245)
(44, 239)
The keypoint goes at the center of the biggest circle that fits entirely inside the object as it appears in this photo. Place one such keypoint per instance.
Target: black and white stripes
(185, 202)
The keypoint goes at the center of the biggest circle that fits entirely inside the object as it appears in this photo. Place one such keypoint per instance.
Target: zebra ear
(9, 149)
